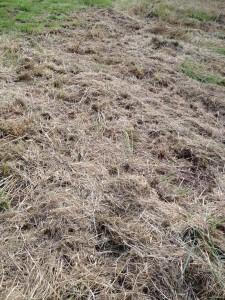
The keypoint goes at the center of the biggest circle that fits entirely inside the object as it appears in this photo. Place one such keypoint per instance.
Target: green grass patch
(220, 51)
(138, 6)
(166, 10)
(200, 15)
(4, 203)
(128, 139)
(35, 15)
(9, 58)
(197, 72)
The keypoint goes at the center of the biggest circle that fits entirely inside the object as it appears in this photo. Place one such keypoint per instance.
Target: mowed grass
(32, 15)
(36, 15)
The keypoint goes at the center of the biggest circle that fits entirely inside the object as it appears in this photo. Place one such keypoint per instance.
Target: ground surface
(112, 157)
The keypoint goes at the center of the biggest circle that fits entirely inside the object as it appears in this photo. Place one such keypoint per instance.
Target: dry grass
(112, 162)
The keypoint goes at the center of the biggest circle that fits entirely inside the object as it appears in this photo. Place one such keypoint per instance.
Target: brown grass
(112, 163)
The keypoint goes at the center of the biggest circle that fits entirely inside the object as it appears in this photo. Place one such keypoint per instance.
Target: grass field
(112, 150)
(35, 15)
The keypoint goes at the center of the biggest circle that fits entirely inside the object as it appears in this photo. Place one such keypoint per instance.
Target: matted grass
(111, 158)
